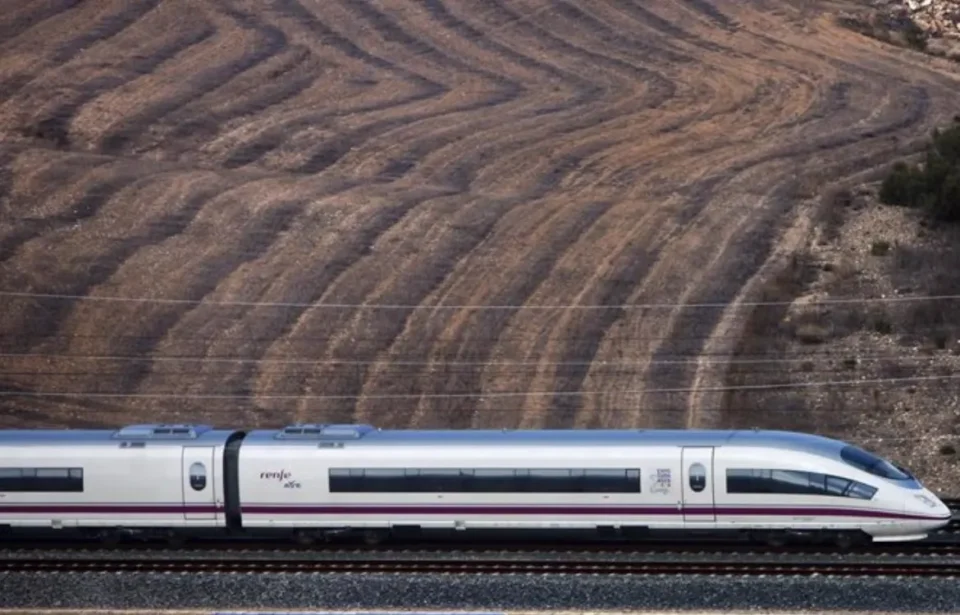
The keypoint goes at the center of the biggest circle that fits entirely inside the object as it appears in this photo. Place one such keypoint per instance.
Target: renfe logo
(280, 476)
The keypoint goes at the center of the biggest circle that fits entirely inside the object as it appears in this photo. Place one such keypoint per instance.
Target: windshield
(869, 462)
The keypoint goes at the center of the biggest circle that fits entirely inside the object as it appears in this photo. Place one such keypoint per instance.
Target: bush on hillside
(933, 185)
(915, 37)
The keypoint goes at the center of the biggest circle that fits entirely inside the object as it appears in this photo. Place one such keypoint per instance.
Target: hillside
(250, 179)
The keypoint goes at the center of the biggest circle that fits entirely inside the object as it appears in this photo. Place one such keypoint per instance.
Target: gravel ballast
(504, 592)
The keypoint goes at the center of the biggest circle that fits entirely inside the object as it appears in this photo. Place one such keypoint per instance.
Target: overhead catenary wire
(338, 336)
(480, 394)
(387, 362)
(440, 306)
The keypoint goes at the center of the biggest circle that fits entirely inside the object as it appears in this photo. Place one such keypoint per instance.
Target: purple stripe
(669, 511)
(106, 508)
(665, 511)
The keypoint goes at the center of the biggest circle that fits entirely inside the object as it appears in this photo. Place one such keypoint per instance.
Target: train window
(800, 483)
(794, 482)
(341, 480)
(869, 462)
(860, 491)
(551, 481)
(493, 480)
(698, 477)
(835, 485)
(34, 480)
(611, 481)
(198, 476)
(484, 480)
(388, 480)
(52, 473)
(439, 480)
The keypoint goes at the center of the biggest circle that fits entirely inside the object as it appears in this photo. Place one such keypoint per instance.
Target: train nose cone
(944, 511)
(936, 513)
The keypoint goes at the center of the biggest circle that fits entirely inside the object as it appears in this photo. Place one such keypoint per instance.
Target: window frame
(41, 480)
(492, 480)
(762, 481)
(875, 465)
(697, 482)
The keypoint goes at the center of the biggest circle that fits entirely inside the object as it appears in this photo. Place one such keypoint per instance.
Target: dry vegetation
(860, 248)
(416, 153)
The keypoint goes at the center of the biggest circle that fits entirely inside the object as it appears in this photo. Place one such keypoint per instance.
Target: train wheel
(771, 539)
(110, 539)
(303, 539)
(846, 540)
(374, 537)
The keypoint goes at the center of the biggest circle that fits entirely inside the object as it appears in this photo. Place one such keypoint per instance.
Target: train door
(698, 503)
(199, 494)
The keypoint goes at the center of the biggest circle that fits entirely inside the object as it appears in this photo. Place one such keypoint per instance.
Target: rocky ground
(898, 359)
(420, 593)
(932, 26)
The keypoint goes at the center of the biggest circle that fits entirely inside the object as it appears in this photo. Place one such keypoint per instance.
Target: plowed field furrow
(111, 18)
(324, 36)
(17, 17)
(50, 102)
(75, 30)
(342, 245)
(82, 205)
(415, 154)
(194, 76)
(691, 327)
(712, 13)
(479, 39)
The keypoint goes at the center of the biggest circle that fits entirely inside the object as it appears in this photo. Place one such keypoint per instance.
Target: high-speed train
(316, 481)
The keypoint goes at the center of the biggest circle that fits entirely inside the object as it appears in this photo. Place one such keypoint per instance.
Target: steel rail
(926, 569)
(441, 549)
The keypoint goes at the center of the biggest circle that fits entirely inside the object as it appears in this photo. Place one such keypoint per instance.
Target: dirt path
(506, 152)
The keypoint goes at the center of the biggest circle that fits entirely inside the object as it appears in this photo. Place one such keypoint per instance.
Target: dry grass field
(254, 177)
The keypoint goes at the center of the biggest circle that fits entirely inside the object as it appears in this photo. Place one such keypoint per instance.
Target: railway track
(918, 548)
(530, 567)
(688, 553)
(925, 548)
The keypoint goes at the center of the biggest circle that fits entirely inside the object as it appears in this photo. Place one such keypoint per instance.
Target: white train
(313, 481)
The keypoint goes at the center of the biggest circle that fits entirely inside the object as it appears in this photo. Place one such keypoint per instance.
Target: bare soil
(448, 152)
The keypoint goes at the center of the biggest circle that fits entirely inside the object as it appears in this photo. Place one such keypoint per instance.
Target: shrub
(934, 185)
(900, 186)
(915, 37)
(881, 247)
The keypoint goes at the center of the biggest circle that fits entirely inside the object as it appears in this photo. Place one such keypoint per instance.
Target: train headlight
(926, 500)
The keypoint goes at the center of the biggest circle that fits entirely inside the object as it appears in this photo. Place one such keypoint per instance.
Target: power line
(491, 395)
(355, 374)
(388, 362)
(388, 306)
(607, 336)
(515, 412)
(233, 420)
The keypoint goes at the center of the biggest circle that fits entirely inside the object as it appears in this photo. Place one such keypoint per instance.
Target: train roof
(369, 436)
(130, 435)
